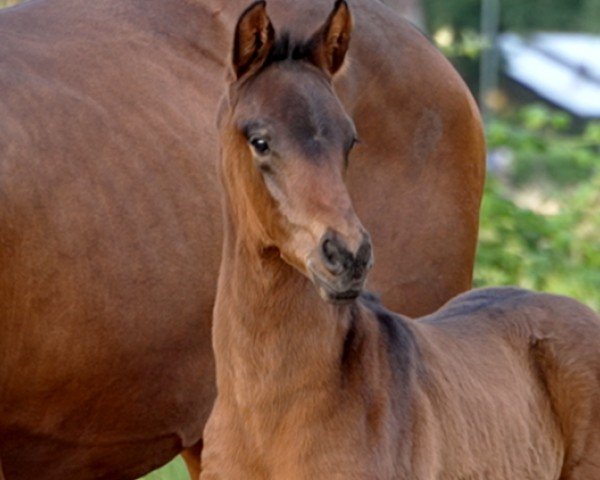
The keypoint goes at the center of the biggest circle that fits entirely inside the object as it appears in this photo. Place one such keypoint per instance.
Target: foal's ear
(330, 42)
(254, 36)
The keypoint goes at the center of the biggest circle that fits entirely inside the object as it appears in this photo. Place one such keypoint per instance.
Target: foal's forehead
(299, 101)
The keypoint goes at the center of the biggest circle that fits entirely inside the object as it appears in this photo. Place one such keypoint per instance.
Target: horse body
(482, 389)
(107, 208)
(110, 225)
(315, 382)
(513, 380)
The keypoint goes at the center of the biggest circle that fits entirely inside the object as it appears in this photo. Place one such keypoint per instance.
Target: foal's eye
(260, 145)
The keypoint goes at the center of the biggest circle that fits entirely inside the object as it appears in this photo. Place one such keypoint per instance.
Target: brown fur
(499, 384)
(110, 225)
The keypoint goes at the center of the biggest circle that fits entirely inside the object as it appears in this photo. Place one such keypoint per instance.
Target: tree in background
(540, 225)
(516, 15)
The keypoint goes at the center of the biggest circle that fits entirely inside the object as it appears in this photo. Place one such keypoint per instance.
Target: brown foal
(324, 383)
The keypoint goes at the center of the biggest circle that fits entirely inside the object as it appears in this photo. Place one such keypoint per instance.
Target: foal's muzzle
(337, 271)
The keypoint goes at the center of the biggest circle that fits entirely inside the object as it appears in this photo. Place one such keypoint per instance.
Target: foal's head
(285, 146)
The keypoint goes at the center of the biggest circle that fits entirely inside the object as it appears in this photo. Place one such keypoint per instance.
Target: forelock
(286, 48)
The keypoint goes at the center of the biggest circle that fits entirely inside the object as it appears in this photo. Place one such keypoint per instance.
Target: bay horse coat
(318, 382)
(110, 225)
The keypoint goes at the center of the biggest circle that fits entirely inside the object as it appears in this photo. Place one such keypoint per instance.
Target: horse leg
(586, 462)
(1, 473)
(192, 460)
(569, 363)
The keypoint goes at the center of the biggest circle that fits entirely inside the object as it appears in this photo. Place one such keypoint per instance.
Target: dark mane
(399, 337)
(286, 48)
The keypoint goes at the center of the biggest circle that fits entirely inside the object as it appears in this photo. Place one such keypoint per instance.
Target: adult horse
(110, 225)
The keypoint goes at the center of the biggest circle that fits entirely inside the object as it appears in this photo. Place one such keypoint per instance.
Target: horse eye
(260, 145)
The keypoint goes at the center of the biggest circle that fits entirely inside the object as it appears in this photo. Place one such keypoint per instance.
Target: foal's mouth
(344, 297)
(336, 291)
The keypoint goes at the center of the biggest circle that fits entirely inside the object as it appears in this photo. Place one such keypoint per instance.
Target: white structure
(563, 68)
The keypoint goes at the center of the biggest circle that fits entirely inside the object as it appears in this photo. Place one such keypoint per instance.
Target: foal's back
(512, 377)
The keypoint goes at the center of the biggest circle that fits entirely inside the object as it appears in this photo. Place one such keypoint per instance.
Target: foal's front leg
(192, 460)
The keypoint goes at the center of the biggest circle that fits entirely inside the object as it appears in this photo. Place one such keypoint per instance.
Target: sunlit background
(534, 67)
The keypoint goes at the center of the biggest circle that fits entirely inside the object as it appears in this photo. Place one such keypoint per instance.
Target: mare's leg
(1, 473)
(192, 460)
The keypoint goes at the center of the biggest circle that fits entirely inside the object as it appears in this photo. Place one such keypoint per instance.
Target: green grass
(175, 470)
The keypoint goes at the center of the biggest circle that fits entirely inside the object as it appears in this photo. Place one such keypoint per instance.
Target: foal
(317, 382)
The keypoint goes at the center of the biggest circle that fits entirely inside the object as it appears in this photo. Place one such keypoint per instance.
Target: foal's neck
(271, 325)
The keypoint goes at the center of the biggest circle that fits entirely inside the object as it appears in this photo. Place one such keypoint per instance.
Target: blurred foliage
(545, 150)
(540, 223)
(516, 15)
(466, 43)
(9, 3)
(555, 253)
(456, 24)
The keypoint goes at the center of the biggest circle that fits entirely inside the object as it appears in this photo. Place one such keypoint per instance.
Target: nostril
(363, 260)
(365, 253)
(328, 250)
(332, 253)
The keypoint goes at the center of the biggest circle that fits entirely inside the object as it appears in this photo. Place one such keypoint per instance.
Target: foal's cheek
(274, 188)
(289, 254)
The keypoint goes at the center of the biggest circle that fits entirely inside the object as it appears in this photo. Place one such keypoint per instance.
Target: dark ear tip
(341, 6)
(259, 3)
(252, 39)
